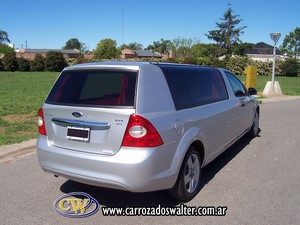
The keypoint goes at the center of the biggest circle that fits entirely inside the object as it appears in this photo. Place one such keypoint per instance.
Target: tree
(10, 61)
(291, 44)
(131, 46)
(290, 68)
(23, 64)
(5, 49)
(3, 36)
(205, 50)
(55, 61)
(183, 47)
(183, 52)
(38, 64)
(74, 43)
(228, 34)
(180, 42)
(106, 49)
(240, 49)
(1, 65)
(162, 46)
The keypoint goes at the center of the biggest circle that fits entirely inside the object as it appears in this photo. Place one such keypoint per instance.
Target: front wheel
(187, 185)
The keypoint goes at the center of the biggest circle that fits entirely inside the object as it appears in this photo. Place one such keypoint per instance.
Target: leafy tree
(184, 52)
(180, 42)
(132, 46)
(205, 50)
(228, 34)
(10, 61)
(162, 46)
(38, 64)
(3, 36)
(74, 43)
(23, 64)
(106, 49)
(5, 48)
(55, 61)
(291, 44)
(199, 50)
(290, 68)
(1, 65)
(183, 47)
(240, 49)
(80, 59)
(190, 60)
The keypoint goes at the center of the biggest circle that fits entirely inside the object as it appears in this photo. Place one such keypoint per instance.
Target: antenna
(123, 24)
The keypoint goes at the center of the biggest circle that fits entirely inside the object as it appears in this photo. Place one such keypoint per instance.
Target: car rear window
(94, 88)
(192, 86)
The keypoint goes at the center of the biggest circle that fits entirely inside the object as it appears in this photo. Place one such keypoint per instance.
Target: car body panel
(103, 161)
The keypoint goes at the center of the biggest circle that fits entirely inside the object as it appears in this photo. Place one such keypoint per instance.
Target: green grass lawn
(289, 85)
(21, 95)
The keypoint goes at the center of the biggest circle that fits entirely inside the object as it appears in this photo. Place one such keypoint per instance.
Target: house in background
(263, 52)
(30, 53)
(133, 54)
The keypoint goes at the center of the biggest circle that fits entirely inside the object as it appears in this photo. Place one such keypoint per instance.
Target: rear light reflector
(137, 131)
(41, 122)
(140, 133)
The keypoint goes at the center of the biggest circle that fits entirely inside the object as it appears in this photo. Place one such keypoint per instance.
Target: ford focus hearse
(141, 126)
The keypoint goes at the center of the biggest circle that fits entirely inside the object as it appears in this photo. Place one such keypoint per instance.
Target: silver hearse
(142, 126)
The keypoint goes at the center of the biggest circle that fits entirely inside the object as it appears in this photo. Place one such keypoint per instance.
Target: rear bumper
(131, 169)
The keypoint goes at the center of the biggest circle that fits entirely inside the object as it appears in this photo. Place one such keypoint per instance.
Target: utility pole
(272, 87)
(123, 24)
(275, 37)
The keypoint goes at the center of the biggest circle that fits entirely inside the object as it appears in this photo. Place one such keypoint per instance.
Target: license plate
(78, 133)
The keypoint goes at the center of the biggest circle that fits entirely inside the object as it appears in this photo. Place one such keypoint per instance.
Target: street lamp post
(275, 37)
(272, 88)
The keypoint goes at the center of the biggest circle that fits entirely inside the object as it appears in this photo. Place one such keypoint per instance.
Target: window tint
(236, 84)
(94, 88)
(194, 86)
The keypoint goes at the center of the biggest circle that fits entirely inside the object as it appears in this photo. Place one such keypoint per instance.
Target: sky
(51, 23)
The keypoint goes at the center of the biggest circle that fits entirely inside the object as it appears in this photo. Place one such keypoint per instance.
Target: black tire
(187, 185)
(253, 132)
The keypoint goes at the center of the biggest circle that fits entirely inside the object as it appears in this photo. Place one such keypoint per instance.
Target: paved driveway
(258, 180)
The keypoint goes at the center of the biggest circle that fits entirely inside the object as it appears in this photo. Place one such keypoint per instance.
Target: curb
(282, 98)
(10, 152)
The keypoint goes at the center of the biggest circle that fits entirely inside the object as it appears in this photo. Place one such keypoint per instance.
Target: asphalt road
(258, 180)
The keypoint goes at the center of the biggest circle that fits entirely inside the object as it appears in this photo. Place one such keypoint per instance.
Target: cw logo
(76, 204)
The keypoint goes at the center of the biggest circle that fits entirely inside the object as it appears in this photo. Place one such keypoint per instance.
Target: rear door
(201, 100)
(88, 110)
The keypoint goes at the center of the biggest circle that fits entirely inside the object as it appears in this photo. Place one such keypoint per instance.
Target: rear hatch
(88, 110)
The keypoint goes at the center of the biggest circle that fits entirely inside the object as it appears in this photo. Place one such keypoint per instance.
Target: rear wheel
(187, 185)
(253, 132)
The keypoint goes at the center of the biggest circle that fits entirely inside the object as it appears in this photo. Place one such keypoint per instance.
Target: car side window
(194, 86)
(236, 84)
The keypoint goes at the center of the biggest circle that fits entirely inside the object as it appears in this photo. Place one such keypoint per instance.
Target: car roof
(130, 65)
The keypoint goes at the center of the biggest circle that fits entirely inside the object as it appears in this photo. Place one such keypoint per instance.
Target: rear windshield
(94, 88)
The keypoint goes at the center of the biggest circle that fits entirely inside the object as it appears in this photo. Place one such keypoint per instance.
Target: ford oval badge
(77, 114)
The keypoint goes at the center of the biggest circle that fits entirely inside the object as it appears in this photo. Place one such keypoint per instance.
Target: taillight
(41, 122)
(140, 133)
